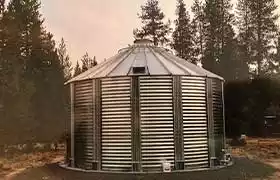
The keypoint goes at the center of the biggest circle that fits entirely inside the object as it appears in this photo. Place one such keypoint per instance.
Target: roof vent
(139, 70)
(143, 42)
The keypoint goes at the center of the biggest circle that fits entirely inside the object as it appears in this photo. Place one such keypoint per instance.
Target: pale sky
(99, 27)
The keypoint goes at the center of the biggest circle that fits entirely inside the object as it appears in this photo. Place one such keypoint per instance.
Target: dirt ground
(11, 167)
(258, 160)
(262, 150)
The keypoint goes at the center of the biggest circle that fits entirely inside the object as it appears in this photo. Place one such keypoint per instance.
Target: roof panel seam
(146, 61)
(84, 75)
(160, 61)
(129, 53)
(132, 64)
(175, 63)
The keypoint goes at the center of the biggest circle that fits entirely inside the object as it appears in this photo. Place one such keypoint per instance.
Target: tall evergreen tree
(232, 67)
(2, 42)
(64, 60)
(153, 25)
(219, 38)
(88, 62)
(2, 7)
(33, 79)
(182, 36)
(198, 24)
(265, 29)
(55, 92)
(274, 62)
(211, 55)
(2, 25)
(246, 30)
(77, 70)
(18, 89)
(2, 28)
(257, 30)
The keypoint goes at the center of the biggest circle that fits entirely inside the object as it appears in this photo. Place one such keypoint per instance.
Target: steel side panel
(218, 116)
(83, 115)
(154, 151)
(195, 122)
(116, 124)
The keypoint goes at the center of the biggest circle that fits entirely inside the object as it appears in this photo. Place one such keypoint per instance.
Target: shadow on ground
(241, 170)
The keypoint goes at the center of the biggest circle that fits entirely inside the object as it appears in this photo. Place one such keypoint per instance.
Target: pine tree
(2, 7)
(33, 78)
(198, 24)
(53, 95)
(2, 28)
(77, 70)
(265, 29)
(2, 40)
(2, 24)
(246, 31)
(153, 25)
(232, 66)
(88, 62)
(48, 102)
(274, 62)
(182, 36)
(64, 60)
(219, 35)
(258, 29)
(211, 55)
(18, 89)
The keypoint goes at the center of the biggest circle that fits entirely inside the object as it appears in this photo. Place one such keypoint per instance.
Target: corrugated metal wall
(218, 116)
(83, 110)
(156, 107)
(116, 124)
(156, 122)
(195, 122)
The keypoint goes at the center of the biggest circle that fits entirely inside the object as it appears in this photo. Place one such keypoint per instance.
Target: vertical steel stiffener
(97, 121)
(178, 123)
(72, 108)
(136, 125)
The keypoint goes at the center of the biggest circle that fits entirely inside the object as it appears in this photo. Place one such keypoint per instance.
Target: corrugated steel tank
(143, 107)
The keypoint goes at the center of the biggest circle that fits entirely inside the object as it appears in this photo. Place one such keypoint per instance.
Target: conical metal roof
(143, 58)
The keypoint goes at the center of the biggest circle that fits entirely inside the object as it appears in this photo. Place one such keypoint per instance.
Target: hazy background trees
(33, 70)
(237, 43)
(64, 60)
(87, 63)
(31, 76)
(241, 44)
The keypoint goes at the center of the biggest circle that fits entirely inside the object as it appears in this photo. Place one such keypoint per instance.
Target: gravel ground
(243, 169)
